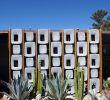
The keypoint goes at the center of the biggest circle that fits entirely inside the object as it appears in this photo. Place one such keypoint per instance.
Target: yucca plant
(57, 88)
(19, 89)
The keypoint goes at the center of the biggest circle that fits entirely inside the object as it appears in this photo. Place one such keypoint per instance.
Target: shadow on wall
(4, 70)
(106, 55)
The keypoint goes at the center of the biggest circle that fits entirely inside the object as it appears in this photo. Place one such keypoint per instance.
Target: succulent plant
(93, 94)
(106, 88)
(38, 79)
(78, 82)
(106, 84)
(57, 88)
(19, 89)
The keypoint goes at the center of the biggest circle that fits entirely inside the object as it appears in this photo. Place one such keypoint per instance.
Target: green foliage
(101, 21)
(57, 88)
(78, 82)
(99, 15)
(19, 89)
(93, 97)
(106, 84)
(38, 77)
(93, 94)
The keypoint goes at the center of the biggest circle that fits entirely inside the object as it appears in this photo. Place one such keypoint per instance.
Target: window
(55, 74)
(93, 37)
(68, 62)
(80, 49)
(93, 85)
(15, 37)
(68, 37)
(15, 63)
(42, 63)
(42, 37)
(29, 50)
(93, 62)
(55, 50)
(69, 87)
(29, 76)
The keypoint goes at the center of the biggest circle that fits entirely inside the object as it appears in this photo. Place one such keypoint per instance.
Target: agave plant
(93, 94)
(57, 88)
(19, 89)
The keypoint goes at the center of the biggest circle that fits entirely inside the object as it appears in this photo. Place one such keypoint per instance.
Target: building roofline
(6, 31)
(105, 32)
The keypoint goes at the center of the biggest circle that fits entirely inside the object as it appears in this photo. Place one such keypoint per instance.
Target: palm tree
(101, 22)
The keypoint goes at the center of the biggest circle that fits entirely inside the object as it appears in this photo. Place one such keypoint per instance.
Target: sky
(49, 14)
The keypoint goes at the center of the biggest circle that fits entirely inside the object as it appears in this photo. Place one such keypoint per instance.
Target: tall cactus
(38, 78)
(78, 82)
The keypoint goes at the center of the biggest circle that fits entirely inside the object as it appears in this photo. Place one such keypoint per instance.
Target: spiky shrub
(19, 89)
(93, 93)
(106, 88)
(57, 88)
(93, 96)
(106, 84)
(38, 78)
(79, 82)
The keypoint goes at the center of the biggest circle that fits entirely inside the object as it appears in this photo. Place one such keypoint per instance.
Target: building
(57, 50)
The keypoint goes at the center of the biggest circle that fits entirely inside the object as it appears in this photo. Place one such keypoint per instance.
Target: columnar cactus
(38, 77)
(78, 82)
